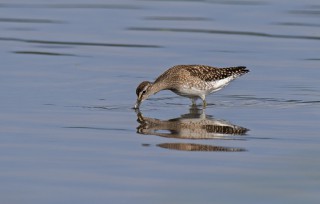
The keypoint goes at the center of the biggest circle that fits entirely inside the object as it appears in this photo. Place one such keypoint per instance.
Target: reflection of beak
(137, 105)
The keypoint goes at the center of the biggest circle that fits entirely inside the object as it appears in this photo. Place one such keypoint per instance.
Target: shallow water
(69, 70)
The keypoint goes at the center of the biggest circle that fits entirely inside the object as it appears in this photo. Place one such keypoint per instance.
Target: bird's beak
(137, 105)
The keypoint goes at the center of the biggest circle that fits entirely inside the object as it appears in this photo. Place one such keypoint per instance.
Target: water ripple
(256, 101)
(298, 24)
(26, 20)
(42, 53)
(70, 6)
(306, 12)
(79, 43)
(233, 101)
(176, 18)
(97, 128)
(227, 2)
(224, 32)
(313, 59)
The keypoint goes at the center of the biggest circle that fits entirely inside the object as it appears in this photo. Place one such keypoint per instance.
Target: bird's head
(143, 92)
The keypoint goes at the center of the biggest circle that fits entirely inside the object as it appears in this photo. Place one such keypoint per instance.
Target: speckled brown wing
(170, 74)
(208, 73)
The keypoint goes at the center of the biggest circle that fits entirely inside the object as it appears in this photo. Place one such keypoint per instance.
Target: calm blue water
(69, 70)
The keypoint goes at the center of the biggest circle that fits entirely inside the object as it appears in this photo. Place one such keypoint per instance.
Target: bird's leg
(204, 103)
(193, 101)
(203, 97)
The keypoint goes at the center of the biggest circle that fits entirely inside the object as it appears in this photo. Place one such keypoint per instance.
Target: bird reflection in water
(195, 125)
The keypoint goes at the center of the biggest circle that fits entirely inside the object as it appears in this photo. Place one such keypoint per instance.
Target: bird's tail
(236, 71)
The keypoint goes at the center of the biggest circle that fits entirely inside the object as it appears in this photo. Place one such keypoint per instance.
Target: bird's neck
(156, 87)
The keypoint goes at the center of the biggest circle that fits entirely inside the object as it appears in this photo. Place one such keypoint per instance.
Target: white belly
(203, 89)
(217, 85)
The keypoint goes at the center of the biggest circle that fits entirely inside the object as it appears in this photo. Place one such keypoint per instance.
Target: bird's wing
(208, 73)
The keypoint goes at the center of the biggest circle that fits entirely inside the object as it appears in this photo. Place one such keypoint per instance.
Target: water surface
(69, 70)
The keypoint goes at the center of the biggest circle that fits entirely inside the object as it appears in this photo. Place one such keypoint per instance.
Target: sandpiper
(191, 81)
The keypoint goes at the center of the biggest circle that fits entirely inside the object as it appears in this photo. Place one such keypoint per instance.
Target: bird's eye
(144, 91)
